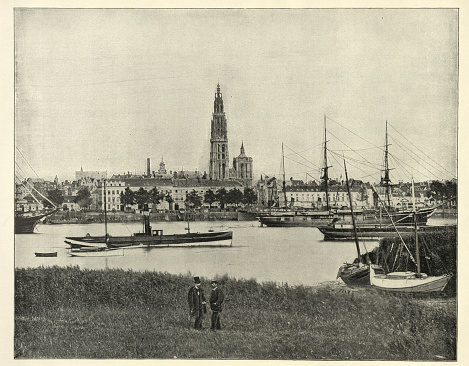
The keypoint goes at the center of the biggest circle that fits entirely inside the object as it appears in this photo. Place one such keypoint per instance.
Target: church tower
(219, 159)
(242, 165)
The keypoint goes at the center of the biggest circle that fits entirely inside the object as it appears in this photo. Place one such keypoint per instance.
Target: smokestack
(148, 167)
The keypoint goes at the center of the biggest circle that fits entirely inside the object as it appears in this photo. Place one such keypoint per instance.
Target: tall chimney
(148, 167)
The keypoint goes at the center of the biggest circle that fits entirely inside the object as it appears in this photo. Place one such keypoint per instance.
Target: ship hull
(372, 232)
(27, 224)
(408, 282)
(298, 219)
(212, 239)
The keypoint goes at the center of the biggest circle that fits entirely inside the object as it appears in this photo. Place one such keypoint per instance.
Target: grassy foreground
(74, 313)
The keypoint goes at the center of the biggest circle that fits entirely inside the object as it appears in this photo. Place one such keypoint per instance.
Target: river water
(283, 255)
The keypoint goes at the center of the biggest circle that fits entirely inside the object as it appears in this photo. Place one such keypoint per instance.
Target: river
(282, 255)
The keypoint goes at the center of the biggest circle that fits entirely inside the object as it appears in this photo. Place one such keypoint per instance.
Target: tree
(443, 191)
(363, 193)
(168, 198)
(193, 199)
(221, 196)
(249, 196)
(127, 197)
(55, 196)
(210, 197)
(155, 197)
(142, 198)
(234, 196)
(83, 197)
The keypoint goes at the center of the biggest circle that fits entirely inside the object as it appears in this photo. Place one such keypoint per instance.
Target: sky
(105, 89)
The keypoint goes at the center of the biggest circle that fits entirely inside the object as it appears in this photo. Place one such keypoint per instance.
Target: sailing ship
(302, 218)
(26, 221)
(409, 282)
(150, 238)
(342, 230)
(375, 225)
(394, 216)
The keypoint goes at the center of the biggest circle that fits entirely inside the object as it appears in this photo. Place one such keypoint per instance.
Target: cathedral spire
(219, 157)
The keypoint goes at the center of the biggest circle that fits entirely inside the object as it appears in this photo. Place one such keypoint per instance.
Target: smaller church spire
(242, 146)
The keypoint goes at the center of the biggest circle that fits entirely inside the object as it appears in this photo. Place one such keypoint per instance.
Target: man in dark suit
(197, 307)
(216, 300)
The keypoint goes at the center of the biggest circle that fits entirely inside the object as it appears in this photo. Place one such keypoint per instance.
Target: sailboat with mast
(358, 272)
(409, 282)
(289, 217)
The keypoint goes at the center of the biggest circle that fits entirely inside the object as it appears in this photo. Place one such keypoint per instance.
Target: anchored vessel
(153, 238)
(342, 231)
(307, 218)
(107, 244)
(358, 272)
(409, 282)
(25, 224)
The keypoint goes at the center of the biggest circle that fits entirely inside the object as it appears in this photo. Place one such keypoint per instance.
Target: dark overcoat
(195, 298)
(216, 299)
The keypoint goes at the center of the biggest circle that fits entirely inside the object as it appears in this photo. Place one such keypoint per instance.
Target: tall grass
(78, 313)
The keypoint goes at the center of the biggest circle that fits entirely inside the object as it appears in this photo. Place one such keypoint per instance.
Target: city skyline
(90, 94)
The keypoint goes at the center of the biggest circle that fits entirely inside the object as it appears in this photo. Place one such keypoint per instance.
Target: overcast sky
(106, 89)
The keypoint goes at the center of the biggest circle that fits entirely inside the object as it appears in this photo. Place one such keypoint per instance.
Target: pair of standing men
(198, 307)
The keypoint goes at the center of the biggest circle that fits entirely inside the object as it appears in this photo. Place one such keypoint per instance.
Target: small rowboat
(46, 254)
(96, 252)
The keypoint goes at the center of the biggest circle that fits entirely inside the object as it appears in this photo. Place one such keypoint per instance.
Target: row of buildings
(269, 192)
(222, 174)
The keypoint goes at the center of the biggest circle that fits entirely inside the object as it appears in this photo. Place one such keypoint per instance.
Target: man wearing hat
(197, 303)
(216, 300)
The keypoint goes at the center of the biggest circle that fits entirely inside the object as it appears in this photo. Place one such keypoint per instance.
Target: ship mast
(325, 177)
(284, 185)
(353, 216)
(417, 254)
(105, 213)
(386, 180)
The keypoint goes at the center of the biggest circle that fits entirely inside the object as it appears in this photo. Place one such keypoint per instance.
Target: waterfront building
(28, 204)
(69, 205)
(314, 196)
(95, 174)
(267, 192)
(177, 189)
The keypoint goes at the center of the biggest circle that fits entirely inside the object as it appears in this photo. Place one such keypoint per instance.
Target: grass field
(71, 313)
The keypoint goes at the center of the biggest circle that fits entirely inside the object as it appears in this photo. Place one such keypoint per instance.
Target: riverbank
(126, 217)
(64, 313)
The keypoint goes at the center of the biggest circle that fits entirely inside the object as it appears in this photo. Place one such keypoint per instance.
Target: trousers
(215, 320)
(199, 317)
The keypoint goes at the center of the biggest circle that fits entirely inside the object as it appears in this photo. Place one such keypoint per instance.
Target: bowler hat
(213, 281)
(197, 280)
